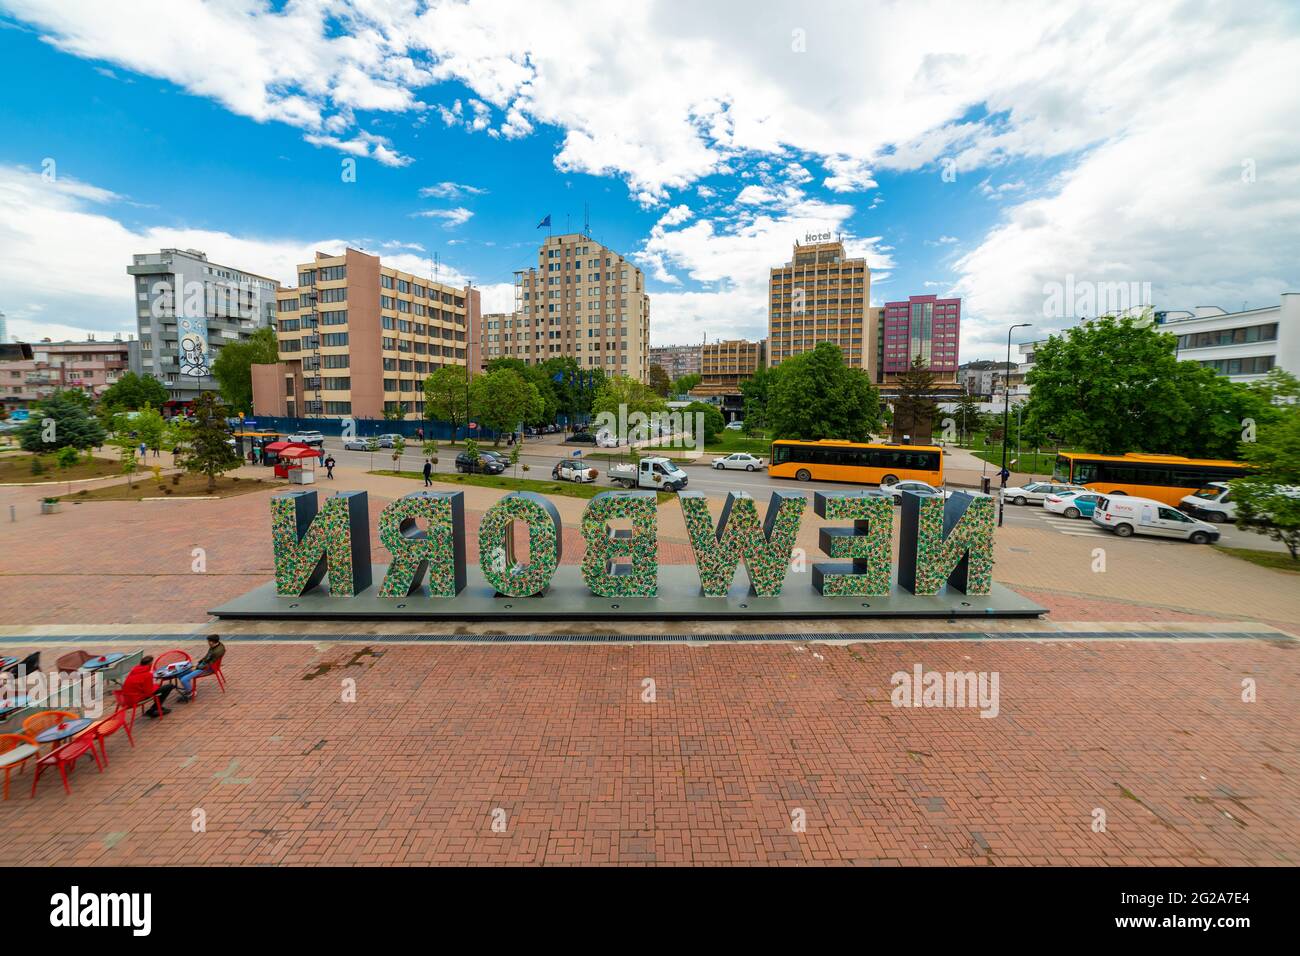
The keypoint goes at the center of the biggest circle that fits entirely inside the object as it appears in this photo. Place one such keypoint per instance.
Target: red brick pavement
(739, 737)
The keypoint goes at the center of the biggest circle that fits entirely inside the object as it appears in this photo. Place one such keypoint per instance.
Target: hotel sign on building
(820, 296)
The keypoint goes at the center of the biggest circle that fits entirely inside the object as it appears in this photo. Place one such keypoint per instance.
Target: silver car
(742, 460)
(895, 491)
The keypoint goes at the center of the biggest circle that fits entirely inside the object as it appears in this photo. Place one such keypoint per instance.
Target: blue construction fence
(366, 427)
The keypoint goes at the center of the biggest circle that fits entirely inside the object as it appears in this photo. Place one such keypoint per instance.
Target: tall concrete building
(584, 300)
(677, 360)
(357, 337)
(187, 308)
(821, 296)
(924, 326)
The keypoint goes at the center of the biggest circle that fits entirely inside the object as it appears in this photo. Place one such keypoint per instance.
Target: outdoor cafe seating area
(53, 720)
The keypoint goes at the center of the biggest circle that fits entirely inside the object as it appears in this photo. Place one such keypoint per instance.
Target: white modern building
(1244, 345)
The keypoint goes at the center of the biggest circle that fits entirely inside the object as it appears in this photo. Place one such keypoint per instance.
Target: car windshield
(1209, 493)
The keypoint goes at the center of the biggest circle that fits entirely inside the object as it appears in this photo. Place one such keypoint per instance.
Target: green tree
(536, 375)
(621, 392)
(132, 392)
(815, 395)
(60, 421)
(393, 412)
(713, 420)
(445, 396)
(756, 391)
(967, 415)
(914, 409)
(576, 387)
(687, 382)
(207, 450)
(505, 399)
(233, 368)
(399, 449)
(1268, 502)
(149, 427)
(1278, 387)
(659, 381)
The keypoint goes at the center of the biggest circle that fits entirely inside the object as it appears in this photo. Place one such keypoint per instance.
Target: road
(543, 452)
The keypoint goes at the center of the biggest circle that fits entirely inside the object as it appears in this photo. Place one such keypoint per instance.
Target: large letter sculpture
(764, 549)
(948, 540)
(439, 550)
(496, 544)
(868, 543)
(621, 563)
(306, 544)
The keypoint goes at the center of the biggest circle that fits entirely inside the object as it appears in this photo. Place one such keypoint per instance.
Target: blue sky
(700, 153)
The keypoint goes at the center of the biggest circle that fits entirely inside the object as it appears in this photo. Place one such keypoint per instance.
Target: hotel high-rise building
(357, 338)
(821, 296)
(583, 300)
(924, 325)
(187, 308)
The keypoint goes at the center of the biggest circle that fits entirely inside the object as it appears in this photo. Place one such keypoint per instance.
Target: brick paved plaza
(555, 743)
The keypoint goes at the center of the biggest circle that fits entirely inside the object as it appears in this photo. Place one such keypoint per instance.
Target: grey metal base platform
(568, 598)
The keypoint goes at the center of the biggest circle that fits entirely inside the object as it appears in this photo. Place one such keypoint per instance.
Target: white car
(357, 444)
(307, 438)
(895, 491)
(1034, 492)
(571, 469)
(1072, 504)
(742, 460)
(606, 440)
(1126, 516)
(736, 426)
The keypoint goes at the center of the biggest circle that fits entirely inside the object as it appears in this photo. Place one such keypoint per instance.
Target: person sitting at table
(216, 651)
(139, 685)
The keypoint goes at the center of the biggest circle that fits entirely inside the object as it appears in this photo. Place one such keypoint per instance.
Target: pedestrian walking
(329, 467)
(428, 473)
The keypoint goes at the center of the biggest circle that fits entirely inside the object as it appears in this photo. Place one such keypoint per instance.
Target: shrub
(38, 466)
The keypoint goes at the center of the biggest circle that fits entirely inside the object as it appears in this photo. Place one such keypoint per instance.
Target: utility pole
(1006, 419)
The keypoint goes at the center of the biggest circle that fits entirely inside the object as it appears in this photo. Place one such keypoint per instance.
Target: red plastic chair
(123, 703)
(66, 756)
(214, 670)
(111, 725)
(15, 751)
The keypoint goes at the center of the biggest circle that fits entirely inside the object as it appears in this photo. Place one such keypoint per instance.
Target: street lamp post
(1006, 416)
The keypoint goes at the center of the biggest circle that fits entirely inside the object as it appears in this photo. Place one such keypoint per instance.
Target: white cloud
(45, 225)
(451, 191)
(451, 218)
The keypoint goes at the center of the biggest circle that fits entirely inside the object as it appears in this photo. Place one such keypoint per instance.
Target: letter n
(307, 544)
(949, 541)
(764, 548)
(868, 543)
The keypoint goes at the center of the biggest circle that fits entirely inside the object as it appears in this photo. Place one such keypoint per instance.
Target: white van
(1212, 503)
(1126, 515)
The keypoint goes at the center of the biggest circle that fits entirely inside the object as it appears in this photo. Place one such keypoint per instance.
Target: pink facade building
(924, 325)
(89, 367)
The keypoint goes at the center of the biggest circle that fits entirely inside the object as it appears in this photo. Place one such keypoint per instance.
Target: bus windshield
(1061, 472)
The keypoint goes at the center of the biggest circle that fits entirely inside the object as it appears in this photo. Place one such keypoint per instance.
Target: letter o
(545, 544)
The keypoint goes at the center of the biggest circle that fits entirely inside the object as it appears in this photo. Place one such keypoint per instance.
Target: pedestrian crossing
(1071, 527)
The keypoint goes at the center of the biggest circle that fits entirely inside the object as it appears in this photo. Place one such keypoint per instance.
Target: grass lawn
(1026, 462)
(1278, 560)
(571, 489)
(190, 486)
(17, 468)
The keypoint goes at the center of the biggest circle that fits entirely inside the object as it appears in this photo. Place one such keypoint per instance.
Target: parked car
(1126, 516)
(581, 438)
(742, 460)
(895, 491)
(487, 464)
(386, 440)
(1072, 504)
(650, 473)
(606, 440)
(356, 444)
(736, 426)
(1036, 491)
(1215, 502)
(572, 469)
(309, 438)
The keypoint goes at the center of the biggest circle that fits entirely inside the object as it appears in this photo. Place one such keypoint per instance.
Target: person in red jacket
(139, 685)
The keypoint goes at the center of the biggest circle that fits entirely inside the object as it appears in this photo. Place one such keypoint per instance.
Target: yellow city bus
(1166, 478)
(870, 464)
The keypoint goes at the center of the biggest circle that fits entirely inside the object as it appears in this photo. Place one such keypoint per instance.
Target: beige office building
(357, 337)
(583, 300)
(724, 365)
(821, 296)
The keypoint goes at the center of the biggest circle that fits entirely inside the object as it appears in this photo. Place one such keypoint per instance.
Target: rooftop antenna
(586, 220)
(437, 267)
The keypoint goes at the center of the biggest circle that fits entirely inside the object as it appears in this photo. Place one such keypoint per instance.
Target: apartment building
(187, 308)
(357, 338)
(89, 367)
(925, 326)
(584, 300)
(820, 295)
(677, 360)
(724, 365)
